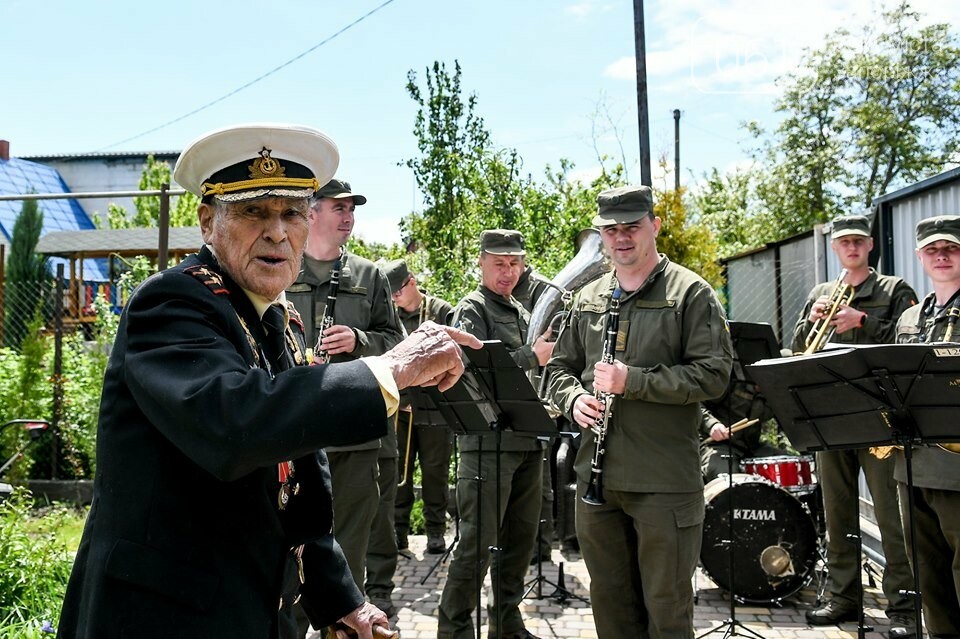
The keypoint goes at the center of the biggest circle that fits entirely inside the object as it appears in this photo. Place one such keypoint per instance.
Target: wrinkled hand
(543, 347)
(587, 410)
(362, 621)
(719, 432)
(429, 356)
(338, 339)
(847, 319)
(610, 378)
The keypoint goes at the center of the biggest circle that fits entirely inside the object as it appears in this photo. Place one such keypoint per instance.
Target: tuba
(587, 265)
(822, 331)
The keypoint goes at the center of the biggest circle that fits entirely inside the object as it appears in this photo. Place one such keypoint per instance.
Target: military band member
(724, 446)
(430, 441)
(530, 287)
(209, 470)
(870, 318)
(491, 312)
(365, 324)
(673, 350)
(936, 472)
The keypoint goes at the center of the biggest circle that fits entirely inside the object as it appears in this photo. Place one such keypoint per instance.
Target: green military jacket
(490, 316)
(431, 309)
(882, 297)
(933, 467)
(363, 304)
(529, 288)
(674, 339)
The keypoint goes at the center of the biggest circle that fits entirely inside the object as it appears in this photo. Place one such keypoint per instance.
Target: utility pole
(643, 115)
(676, 149)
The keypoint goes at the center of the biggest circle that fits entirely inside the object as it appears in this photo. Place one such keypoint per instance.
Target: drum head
(774, 541)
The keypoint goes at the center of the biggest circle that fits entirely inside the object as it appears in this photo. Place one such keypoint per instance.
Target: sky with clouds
(118, 76)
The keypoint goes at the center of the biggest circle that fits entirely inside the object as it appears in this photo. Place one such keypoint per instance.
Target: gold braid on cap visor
(208, 188)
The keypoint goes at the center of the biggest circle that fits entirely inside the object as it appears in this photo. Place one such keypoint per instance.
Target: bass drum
(774, 540)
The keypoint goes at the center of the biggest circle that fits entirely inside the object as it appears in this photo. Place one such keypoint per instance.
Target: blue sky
(83, 77)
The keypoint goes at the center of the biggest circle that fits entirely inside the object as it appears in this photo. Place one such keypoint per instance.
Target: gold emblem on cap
(265, 166)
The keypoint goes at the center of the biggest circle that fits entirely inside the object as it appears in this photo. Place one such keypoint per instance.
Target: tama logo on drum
(754, 514)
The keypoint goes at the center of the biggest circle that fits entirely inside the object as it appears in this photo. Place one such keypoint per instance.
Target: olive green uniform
(641, 546)
(430, 439)
(363, 303)
(883, 298)
(528, 290)
(488, 315)
(936, 499)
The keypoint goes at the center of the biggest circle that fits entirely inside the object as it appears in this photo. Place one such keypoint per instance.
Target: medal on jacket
(288, 486)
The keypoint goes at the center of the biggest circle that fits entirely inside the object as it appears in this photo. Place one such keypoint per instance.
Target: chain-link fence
(771, 285)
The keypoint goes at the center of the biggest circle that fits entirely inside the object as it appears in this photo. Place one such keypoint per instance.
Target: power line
(254, 81)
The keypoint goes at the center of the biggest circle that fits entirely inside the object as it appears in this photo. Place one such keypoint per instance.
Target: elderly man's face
(258, 242)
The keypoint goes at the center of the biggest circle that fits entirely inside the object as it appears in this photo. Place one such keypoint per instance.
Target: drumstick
(743, 423)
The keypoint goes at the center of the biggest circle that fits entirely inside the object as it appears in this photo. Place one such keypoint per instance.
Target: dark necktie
(275, 345)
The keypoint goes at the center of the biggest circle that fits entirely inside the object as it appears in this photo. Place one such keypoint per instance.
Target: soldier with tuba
(671, 350)
(364, 324)
(868, 317)
(936, 472)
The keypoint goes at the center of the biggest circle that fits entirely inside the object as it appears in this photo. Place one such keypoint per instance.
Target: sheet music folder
(493, 392)
(860, 396)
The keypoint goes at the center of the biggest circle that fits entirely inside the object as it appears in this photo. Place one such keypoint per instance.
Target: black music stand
(864, 396)
(493, 395)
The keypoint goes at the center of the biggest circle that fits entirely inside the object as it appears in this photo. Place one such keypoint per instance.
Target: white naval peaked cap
(253, 160)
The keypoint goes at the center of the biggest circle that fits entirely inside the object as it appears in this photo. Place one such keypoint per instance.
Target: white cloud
(580, 9)
(741, 46)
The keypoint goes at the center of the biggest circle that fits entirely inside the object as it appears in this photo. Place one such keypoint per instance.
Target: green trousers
(641, 550)
(936, 520)
(519, 483)
(382, 548)
(356, 497)
(430, 446)
(839, 471)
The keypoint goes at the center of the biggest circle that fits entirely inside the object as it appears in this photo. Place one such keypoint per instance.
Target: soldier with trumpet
(671, 350)
(862, 309)
(422, 431)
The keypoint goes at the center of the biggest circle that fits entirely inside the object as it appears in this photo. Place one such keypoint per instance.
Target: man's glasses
(403, 286)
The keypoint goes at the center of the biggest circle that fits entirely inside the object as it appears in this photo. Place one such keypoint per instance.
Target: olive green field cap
(397, 274)
(338, 189)
(850, 225)
(623, 205)
(502, 242)
(941, 227)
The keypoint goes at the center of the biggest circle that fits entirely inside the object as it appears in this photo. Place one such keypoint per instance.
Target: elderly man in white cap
(209, 477)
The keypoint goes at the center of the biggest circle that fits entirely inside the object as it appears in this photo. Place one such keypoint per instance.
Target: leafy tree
(27, 278)
(862, 115)
(453, 144)
(726, 205)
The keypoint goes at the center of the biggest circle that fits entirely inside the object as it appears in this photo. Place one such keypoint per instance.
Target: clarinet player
(672, 350)
(364, 324)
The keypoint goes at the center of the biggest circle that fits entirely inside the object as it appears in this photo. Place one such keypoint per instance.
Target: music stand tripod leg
(560, 593)
(730, 625)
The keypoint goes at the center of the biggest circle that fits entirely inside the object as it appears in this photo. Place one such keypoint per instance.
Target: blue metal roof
(18, 176)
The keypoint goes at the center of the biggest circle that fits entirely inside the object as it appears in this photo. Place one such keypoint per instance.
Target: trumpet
(822, 331)
(593, 495)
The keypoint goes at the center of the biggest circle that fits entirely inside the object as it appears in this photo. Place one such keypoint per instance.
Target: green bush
(34, 566)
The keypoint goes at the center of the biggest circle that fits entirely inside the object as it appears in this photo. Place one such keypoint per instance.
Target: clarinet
(594, 493)
(320, 355)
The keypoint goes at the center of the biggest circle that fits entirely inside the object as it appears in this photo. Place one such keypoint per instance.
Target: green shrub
(34, 566)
